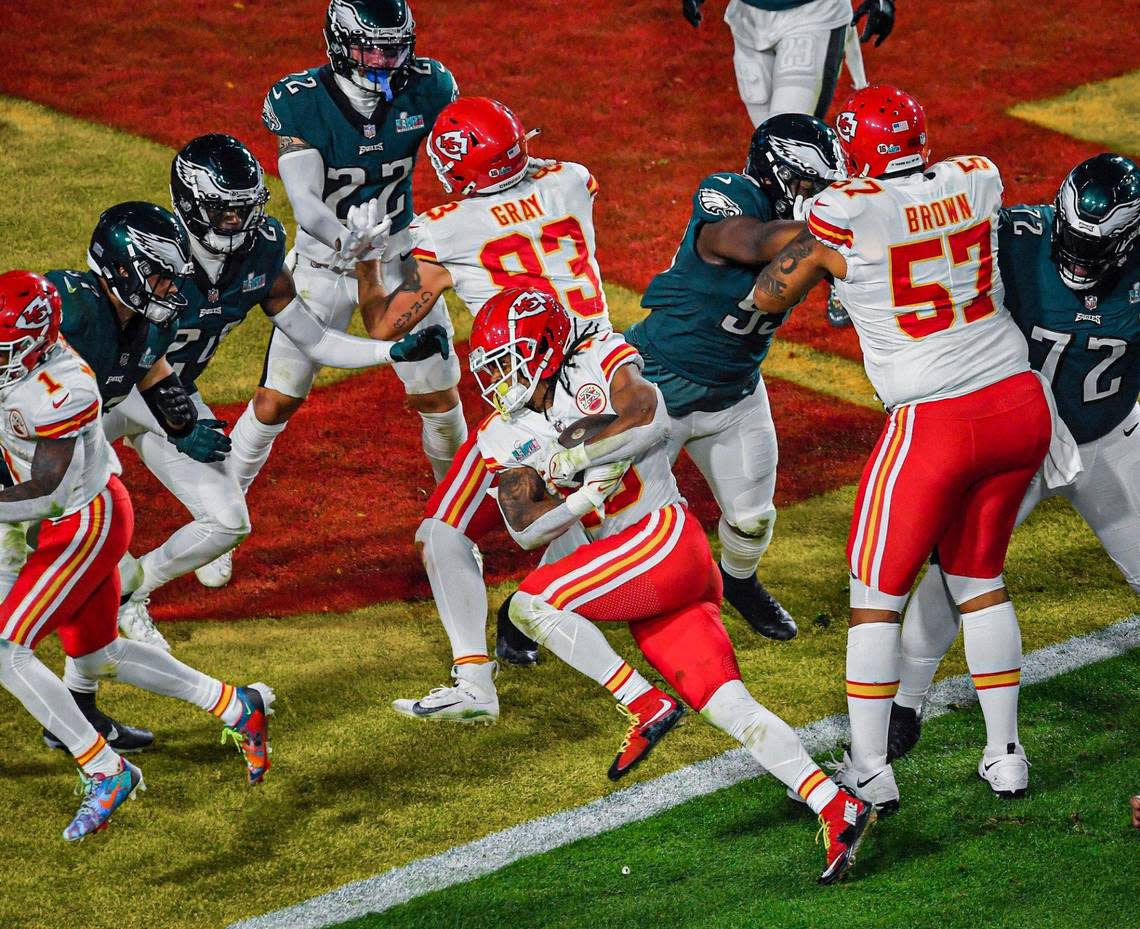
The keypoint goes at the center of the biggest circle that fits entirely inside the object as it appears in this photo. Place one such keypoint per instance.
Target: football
(584, 429)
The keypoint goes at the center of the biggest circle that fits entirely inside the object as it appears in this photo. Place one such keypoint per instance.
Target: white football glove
(799, 214)
(598, 483)
(368, 230)
(565, 463)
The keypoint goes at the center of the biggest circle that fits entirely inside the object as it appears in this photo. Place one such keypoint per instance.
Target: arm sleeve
(303, 174)
(544, 530)
(328, 346)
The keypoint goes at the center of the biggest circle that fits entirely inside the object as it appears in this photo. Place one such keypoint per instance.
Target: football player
(66, 483)
(517, 222)
(911, 247)
(703, 349)
(348, 133)
(1072, 282)
(647, 561)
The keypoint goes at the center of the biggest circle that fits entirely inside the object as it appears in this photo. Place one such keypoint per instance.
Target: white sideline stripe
(491, 853)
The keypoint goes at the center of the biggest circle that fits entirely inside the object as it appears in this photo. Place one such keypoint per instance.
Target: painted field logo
(590, 399)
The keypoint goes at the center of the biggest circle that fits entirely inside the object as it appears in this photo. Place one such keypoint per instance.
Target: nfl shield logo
(370, 131)
(1090, 301)
(213, 295)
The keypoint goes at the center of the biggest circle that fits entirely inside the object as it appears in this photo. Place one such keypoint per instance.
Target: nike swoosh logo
(64, 400)
(1128, 432)
(990, 765)
(113, 734)
(110, 801)
(420, 710)
(724, 179)
(861, 784)
(665, 707)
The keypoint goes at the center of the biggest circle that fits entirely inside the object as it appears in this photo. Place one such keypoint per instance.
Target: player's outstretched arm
(392, 315)
(56, 466)
(302, 171)
(797, 269)
(745, 240)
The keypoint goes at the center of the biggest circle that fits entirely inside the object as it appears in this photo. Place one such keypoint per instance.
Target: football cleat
(651, 716)
(121, 737)
(843, 825)
(102, 795)
(905, 728)
(836, 312)
(251, 732)
(759, 608)
(218, 572)
(875, 787)
(135, 623)
(471, 699)
(512, 645)
(1007, 774)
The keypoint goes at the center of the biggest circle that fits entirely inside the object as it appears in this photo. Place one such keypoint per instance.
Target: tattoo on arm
(424, 299)
(796, 251)
(290, 143)
(523, 497)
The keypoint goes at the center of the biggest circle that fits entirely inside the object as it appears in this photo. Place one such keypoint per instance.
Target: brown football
(582, 431)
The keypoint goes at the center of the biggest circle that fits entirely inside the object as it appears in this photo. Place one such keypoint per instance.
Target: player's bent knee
(13, 659)
(437, 401)
(272, 408)
(102, 663)
(533, 616)
(231, 521)
(734, 711)
(872, 600)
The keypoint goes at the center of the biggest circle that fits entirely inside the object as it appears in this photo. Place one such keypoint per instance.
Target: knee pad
(734, 711)
(964, 589)
(441, 539)
(533, 616)
(230, 519)
(753, 522)
(102, 663)
(871, 598)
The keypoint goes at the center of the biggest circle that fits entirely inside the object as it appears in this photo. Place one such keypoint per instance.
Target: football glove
(597, 484)
(416, 346)
(170, 404)
(880, 20)
(368, 229)
(565, 463)
(691, 10)
(205, 442)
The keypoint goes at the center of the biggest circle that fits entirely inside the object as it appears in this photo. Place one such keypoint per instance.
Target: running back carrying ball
(584, 431)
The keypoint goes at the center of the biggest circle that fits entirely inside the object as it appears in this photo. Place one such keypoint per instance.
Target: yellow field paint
(1107, 112)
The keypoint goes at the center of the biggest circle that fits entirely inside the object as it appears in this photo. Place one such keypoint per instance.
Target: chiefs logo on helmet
(453, 144)
(845, 125)
(36, 315)
(530, 303)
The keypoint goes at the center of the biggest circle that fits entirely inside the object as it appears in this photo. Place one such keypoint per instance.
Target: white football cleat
(471, 699)
(135, 623)
(1008, 773)
(877, 788)
(218, 572)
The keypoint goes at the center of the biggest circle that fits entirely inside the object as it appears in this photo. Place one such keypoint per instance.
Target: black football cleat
(902, 735)
(836, 312)
(759, 608)
(512, 645)
(121, 737)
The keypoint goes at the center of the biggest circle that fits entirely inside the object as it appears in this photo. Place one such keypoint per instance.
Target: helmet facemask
(150, 281)
(1087, 253)
(221, 221)
(375, 59)
(793, 156)
(509, 375)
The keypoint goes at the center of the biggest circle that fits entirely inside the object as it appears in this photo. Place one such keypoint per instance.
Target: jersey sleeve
(284, 110)
(424, 244)
(493, 445)
(720, 196)
(615, 353)
(73, 322)
(54, 410)
(441, 88)
(582, 173)
(830, 223)
(275, 247)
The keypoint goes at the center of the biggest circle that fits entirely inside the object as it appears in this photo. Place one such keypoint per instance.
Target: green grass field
(955, 855)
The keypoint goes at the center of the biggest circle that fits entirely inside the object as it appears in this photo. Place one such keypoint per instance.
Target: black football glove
(880, 20)
(205, 442)
(416, 346)
(691, 10)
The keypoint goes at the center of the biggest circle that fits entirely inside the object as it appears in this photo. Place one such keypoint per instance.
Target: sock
(769, 740)
(479, 673)
(929, 629)
(442, 434)
(626, 684)
(739, 553)
(872, 681)
(993, 655)
(571, 637)
(159, 672)
(252, 441)
(456, 580)
(43, 695)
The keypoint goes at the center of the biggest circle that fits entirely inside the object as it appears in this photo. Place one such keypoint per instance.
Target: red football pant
(658, 575)
(70, 583)
(946, 474)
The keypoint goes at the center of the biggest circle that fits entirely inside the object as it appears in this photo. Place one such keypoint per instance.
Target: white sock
(929, 629)
(442, 434)
(44, 695)
(771, 741)
(740, 554)
(993, 655)
(456, 580)
(872, 681)
(252, 441)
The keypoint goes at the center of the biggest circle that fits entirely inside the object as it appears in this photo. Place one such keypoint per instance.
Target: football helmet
(882, 131)
(218, 191)
(794, 155)
(372, 43)
(478, 146)
(1096, 219)
(143, 255)
(30, 311)
(518, 339)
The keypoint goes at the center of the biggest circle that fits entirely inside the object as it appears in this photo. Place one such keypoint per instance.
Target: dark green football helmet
(794, 155)
(219, 193)
(1096, 220)
(372, 43)
(143, 254)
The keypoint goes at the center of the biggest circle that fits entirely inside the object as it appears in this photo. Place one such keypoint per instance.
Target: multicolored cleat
(251, 733)
(102, 795)
(651, 717)
(843, 825)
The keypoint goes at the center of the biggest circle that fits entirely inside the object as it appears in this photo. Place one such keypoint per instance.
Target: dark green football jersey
(213, 310)
(698, 327)
(364, 157)
(1086, 343)
(120, 357)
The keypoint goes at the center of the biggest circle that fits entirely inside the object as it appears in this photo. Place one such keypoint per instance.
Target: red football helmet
(30, 311)
(519, 338)
(882, 129)
(477, 146)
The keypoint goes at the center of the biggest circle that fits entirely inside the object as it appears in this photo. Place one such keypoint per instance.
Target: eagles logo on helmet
(792, 156)
(372, 43)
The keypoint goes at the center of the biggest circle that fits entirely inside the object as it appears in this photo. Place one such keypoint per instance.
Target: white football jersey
(923, 287)
(58, 400)
(537, 234)
(530, 439)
